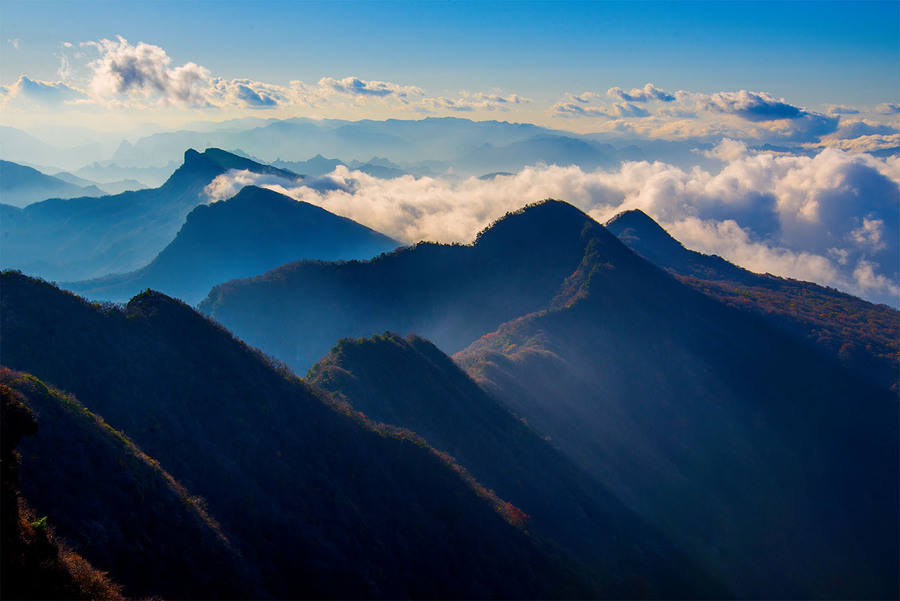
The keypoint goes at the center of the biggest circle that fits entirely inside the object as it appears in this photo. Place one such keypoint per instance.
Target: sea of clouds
(833, 219)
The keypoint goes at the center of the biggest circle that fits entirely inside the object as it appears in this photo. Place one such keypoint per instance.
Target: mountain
(761, 457)
(21, 186)
(74, 239)
(408, 382)
(33, 562)
(253, 232)
(551, 150)
(319, 503)
(22, 147)
(124, 514)
(450, 294)
(116, 187)
(864, 336)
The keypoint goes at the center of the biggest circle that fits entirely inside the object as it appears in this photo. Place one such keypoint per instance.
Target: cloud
(841, 110)
(888, 108)
(647, 93)
(752, 106)
(145, 70)
(467, 102)
(832, 218)
(355, 87)
(14, 42)
(727, 150)
(862, 127)
(46, 93)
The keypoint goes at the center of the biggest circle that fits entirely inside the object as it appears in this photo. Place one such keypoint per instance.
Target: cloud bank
(833, 219)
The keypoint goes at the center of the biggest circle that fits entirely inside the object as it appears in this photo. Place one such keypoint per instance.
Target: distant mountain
(451, 294)
(90, 237)
(251, 233)
(862, 335)
(124, 514)
(551, 150)
(319, 503)
(759, 456)
(116, 187)
(21, 147)
(411, 384)
(21, 186)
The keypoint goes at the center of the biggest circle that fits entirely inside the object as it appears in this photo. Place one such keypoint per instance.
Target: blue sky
(813, 55)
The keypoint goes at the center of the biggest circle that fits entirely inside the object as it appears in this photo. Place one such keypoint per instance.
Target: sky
(516, 61)
(819, 82)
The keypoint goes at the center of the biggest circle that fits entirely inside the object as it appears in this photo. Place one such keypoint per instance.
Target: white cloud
(727, 150)
(647, 93)
(145, 71)
(359, 88)
(467, 102)
(27, 91)
(832, 219)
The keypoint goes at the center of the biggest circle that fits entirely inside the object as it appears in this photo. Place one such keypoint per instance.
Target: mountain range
(561, 409)
(81, 238)
(317, 502)
(21, 186)
(248, 234)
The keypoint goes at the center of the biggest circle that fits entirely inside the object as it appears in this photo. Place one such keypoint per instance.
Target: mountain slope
(73, 239)
(410, 383)
(762, 458)
(318, 503)
(21, 186)
(451, 294)
(124, 514)
(864, 336)
(253, 232)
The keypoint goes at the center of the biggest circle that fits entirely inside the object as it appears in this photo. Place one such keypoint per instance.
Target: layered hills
(81, 238)
(410, 383)
(319, 503)
(770, 464)
(21, 186)
(450, 294)
(251, 233)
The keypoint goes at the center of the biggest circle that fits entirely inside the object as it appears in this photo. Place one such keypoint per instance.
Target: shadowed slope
(117, 507)
(410, 383)
(319, 505)
(764, 460)
(864, 336)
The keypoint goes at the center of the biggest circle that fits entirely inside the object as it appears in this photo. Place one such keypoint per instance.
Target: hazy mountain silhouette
(319, 503)
(21, 186)
(864, 336)
(551, 150)
(73, 239)
(451, 294)
(759, 456)
(253, 232)
(410, 383)
(116, 507)
(116, 187)
(22, 147)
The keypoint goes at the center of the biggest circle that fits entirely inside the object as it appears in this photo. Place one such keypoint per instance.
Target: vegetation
(317, 504)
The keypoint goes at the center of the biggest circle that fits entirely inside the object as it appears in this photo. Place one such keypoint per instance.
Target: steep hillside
(410, 383)
(74, 239)
(33, 563)
(450, 294)
(21, 186)
(864, 336)
(318, 503)
(763, 459)
(251, 233)
(116, 507)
